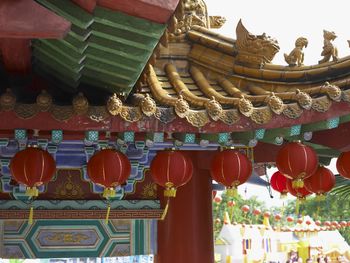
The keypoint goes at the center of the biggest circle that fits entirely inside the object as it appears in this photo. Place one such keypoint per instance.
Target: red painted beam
(45, 121)
(27, 19)
(337, 138)
(88, 5)
(16, 55)
(155, 10)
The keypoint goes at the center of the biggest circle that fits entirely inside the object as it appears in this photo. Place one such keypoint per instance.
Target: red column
(186, 235)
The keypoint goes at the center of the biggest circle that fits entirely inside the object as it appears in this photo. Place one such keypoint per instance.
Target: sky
(286, 21)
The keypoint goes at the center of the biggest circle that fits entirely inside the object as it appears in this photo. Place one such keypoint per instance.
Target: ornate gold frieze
(114, 105)
(26, 111)
(214, 109)
(230, 117)
(80, 104)
(62, 113)
(98, 113)
(261, 115)
(292, 111)
(148, 105)
(321, 104)
(181, 107)
(304, 99)
(7, 100)
(131, 114)
(245, 106)
(44, 101)
(275, 103)
(197, 118)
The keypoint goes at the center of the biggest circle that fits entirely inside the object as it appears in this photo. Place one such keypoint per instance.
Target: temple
(141, 76)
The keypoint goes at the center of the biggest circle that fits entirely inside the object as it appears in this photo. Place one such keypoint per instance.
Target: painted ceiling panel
(106, 49)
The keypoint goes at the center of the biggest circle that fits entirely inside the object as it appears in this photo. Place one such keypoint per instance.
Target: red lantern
(267, 214)
(327, 223)
(343, 223)
(278, 217)
(300, 221)
(343, 164)
(108, 168)
(308, 222)
(317, 222)
(334, 223)
(321, 182)
(348, 223)
(32, 167)
(171, 169)
(245, 208)
(231, 168)
(300, 193)
(256, 212)
(217, 199)
(290, 219)
(297, 161)
(231, 203)
(279, 183)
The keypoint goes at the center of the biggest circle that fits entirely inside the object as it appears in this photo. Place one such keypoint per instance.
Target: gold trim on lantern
(170, 190)
(32, 191)
(109, 192)
(298, 183)
(232, 191)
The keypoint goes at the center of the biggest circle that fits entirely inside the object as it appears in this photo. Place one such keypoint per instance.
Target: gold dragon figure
(296, 56)
(328, 49)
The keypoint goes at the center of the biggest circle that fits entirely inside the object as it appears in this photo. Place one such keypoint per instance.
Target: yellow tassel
(165, 212)
(107, 214)
(32, 191)
(31, 215)
(320, 197)
(109, 192)
(232, 192)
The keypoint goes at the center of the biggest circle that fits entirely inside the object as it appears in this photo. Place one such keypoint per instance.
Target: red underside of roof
(45, 121)
(158, 11)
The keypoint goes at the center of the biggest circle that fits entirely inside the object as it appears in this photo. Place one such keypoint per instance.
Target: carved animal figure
(296, 57)
(328, 49)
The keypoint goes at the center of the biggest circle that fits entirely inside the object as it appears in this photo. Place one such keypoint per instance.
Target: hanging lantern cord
(108, 211)
(165, 212)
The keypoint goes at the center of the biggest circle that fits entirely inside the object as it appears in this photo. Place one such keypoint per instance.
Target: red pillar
(186, 235)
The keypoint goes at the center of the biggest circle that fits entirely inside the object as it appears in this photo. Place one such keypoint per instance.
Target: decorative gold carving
(197, 118)
(275, 103)
(7, 100)
(252, 49)
(131, 114)
(216, 21)
(245, 106)
(230, 117)
(149, 191)
(261, 115)
(292, 111)
(80, 104)
(296, 57)
(304, 99)
(329, 51)
(26, 111)
(67, 237)
(44, 101)
(148, 105)
(62, 113)
(346, 95)
(214, 109)
(98, 113)
(188, 14)
(114, 105)
(321, 104)
(333, 91)
(165, 115)
(181, 107)
(68, 190)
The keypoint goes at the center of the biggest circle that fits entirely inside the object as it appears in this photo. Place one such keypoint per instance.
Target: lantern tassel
(107, 214)
(297, 206)
(31, 215)
(232, 192)
(165, 212)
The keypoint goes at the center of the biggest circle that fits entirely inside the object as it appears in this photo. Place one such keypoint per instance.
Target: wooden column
(186, 235)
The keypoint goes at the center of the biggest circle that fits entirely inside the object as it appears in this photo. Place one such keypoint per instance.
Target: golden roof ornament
(304, 99)
(296, 56)
(329, 51)
(275, 103)
(333, 91)
(214, 109)
(44, 100)
(7, 100)
(254, 50)
(80, 104)
(181, 107)
(114, 105)
(245, 106)
(148, 105)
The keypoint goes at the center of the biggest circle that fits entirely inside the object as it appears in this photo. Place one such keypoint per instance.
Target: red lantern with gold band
(32, 167)
(343, 164)
(109, 168)
(279, 183)
(321, 182)
(171, 169)
(299, 193)
(297, 162)
(231, 168)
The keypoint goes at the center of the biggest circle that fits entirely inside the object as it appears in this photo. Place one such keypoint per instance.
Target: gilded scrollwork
(214, 109)
(216, 21)
(148, 105)
(275, 103)
(333, 91)
(197, 118)
(165, 115)
(181, 107)
(230, 117)
(329, 50)
(114, 105)
(7, 100)
(296, 56)
(304, 99)
(62, 113)
(80, 104)
(26, 111)
(98, 113)
(245, 106)
(261, 115)
(292, 111)
(321, 104)
(131, 114)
